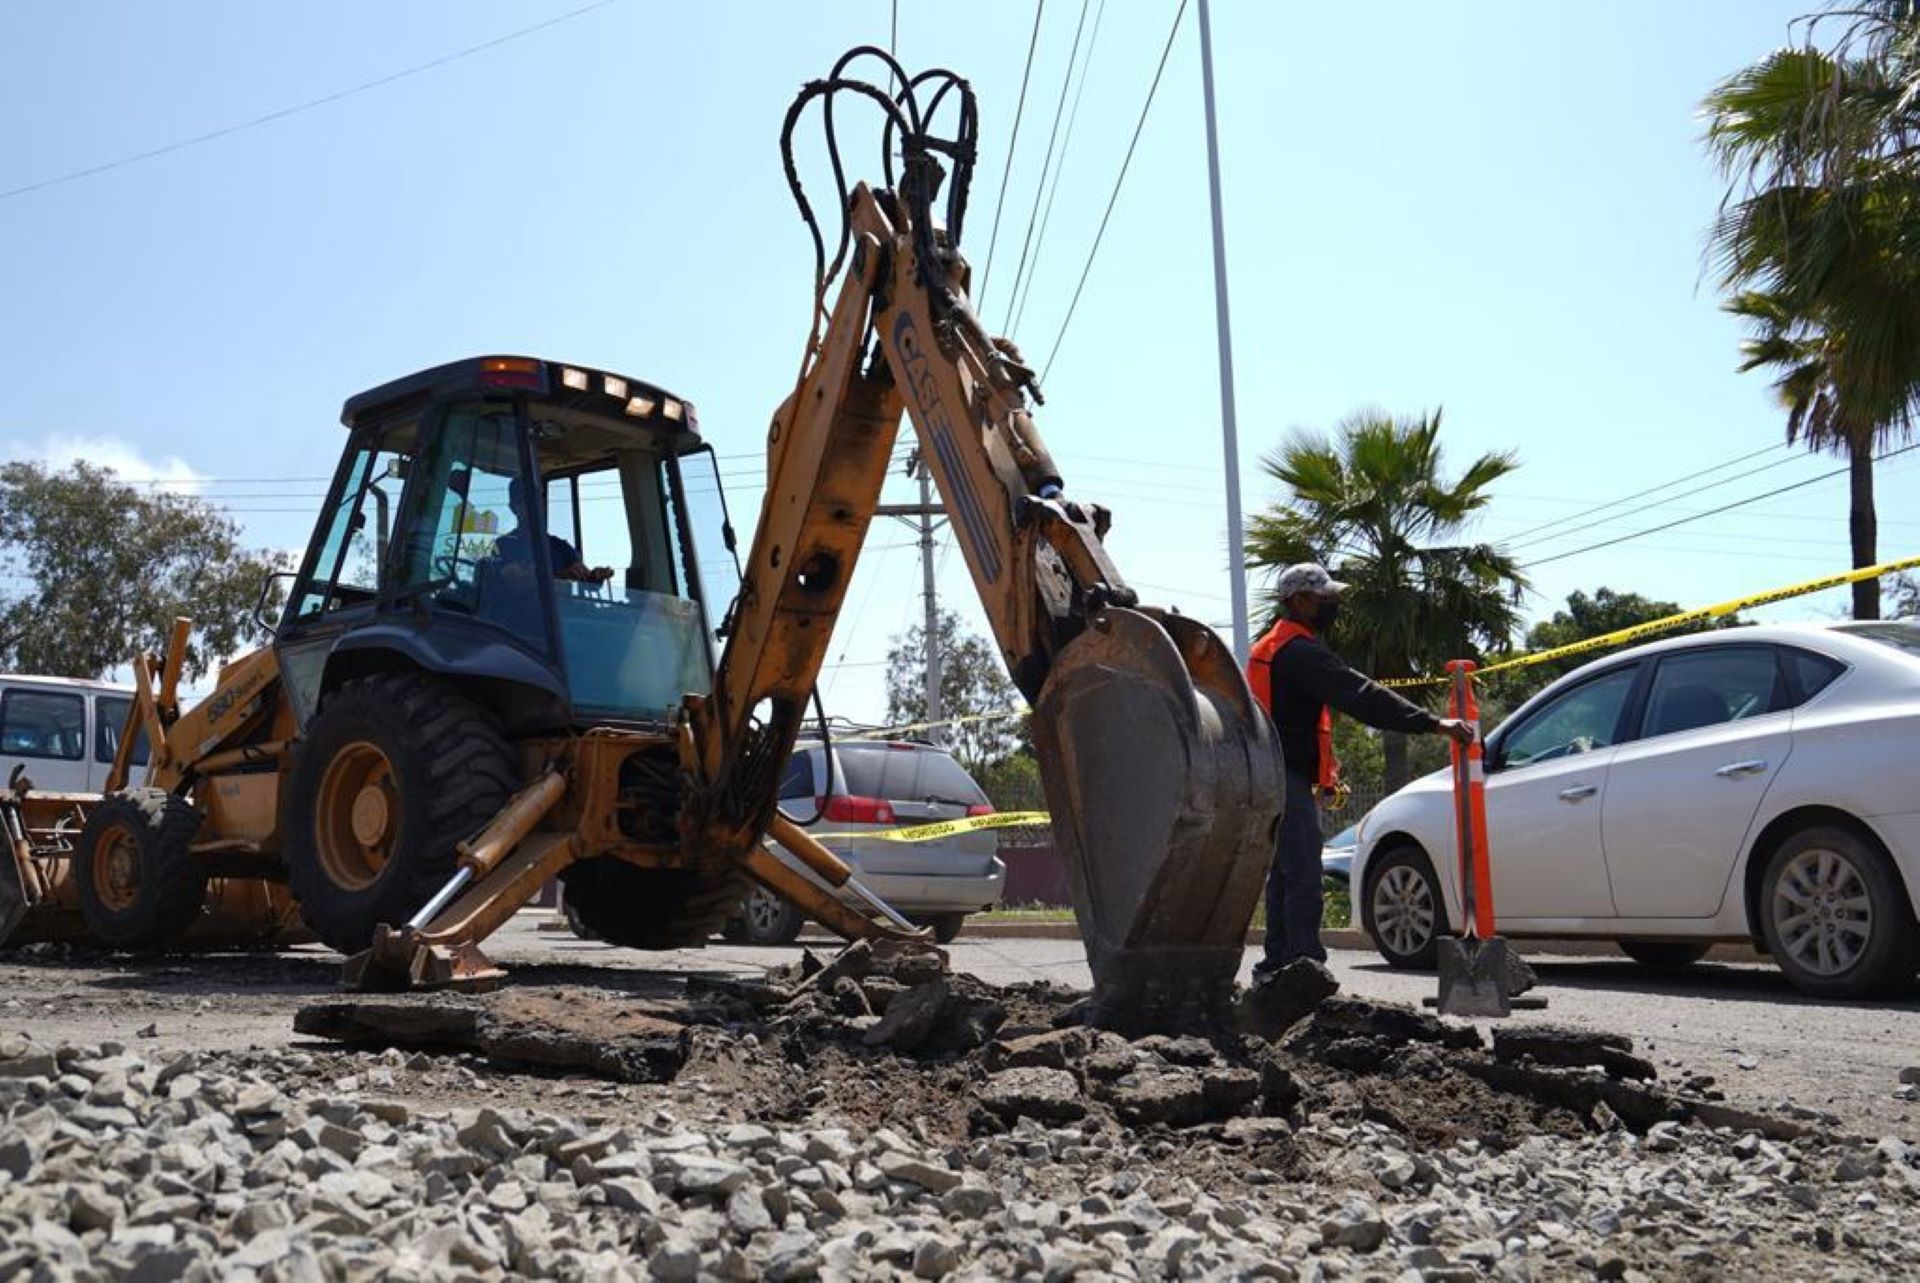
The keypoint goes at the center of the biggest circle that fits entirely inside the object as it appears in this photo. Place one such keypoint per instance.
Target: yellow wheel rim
(116, 868)
(357, 818)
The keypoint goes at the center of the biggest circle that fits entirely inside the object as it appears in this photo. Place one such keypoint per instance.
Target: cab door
(1715, 732)
(339, 581)
(1547, 783)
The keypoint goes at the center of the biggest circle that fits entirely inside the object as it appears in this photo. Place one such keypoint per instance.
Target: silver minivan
(63, 731)
(877, 786)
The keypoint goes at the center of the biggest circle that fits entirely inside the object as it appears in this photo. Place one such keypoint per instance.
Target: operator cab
(535, 527)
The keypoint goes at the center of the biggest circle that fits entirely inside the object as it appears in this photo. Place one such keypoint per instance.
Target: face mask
(1324, 617)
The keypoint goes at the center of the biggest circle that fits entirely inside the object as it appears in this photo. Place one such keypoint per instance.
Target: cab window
(637, 642)
(1712, 687)
(1578, 721)
(49, 724)
(470, 550)
(351, 552)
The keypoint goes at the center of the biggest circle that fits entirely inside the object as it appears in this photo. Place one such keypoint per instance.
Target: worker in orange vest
(1297, 679)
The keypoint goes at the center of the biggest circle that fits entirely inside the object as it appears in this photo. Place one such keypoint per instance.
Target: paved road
(1743, 1024)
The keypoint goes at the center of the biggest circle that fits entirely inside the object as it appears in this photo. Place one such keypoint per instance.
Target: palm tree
(1370, 502)
(1813, 381)
(1819, 238)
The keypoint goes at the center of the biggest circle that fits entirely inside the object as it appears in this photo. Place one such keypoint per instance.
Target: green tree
(1371, 502)
(973, 686)
(1606, 611)
(1818, 239)
(107, 568)
(1906, 596)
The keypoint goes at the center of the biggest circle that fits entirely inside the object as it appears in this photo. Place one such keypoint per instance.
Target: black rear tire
(140, 884)
(1403, 911)
(947, 926)
(639, 908)
(393, 772)
(1664, 955)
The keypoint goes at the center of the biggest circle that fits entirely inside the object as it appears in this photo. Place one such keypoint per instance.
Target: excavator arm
(1162, 775)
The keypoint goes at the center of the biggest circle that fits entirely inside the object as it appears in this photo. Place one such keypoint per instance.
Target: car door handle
(1732, 769)
(1578, 792)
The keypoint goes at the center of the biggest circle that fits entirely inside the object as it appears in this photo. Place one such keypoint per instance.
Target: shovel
(1475, 969)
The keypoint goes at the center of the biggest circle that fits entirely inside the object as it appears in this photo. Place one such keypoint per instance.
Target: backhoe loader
(457, 706)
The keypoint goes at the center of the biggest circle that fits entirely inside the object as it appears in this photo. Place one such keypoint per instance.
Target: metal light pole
(1230, 434)
(935, 712)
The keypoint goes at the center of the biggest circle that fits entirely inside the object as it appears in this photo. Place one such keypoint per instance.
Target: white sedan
(1759, 784)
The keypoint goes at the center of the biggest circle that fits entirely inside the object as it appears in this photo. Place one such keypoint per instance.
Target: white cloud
(59, 451)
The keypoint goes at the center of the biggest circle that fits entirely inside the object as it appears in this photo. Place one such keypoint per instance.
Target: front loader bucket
(1164, 782)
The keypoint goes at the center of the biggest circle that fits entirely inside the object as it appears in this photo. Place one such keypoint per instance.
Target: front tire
(1835, 916)
(1664, 955)
(140, 885)
(395, 770)
(1403, 911)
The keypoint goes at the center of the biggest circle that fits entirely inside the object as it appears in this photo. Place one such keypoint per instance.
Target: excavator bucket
(1164, 780)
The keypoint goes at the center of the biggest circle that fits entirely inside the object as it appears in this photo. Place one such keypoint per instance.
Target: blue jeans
(1293, 883)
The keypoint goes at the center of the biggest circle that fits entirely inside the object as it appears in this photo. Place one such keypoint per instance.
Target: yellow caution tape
(1673, 623)
(948, 828)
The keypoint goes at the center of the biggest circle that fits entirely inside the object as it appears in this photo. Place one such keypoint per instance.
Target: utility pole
(927, 510)
(1230, 433)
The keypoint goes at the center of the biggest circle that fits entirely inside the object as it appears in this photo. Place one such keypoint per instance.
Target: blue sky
(1495, 208)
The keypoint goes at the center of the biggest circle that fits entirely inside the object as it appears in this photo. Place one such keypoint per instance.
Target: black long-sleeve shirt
(1308, 677)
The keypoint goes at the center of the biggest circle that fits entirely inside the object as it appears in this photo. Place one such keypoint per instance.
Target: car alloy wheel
(1403, 910)
(1822, 911)
(766, 912)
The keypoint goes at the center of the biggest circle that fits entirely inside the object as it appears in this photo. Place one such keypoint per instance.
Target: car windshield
(1345, 837)
(1900, 636)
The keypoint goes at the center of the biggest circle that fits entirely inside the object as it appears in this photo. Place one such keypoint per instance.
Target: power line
(1667, 485)
(1114, 198)
(993, 239)
(1666, 502)
(284, 112)
(1046, 163)
(1711, 512)
(1066, 144)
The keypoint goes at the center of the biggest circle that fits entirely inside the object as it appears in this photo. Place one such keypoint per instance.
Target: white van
(63, 731)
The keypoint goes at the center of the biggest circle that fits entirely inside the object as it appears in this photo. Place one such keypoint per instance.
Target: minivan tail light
(980, 808)
(856, 810)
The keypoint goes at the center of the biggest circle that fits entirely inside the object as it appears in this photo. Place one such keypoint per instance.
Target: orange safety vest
(1260, 678)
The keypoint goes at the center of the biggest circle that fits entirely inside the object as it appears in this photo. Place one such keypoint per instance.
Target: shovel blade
(1474, 976)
